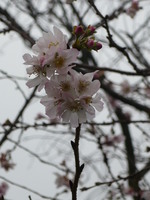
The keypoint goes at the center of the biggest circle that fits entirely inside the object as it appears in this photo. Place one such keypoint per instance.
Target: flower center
(75, 106)
(52, 44)
(65, 86)
(58, 61)
(39, 70)
(82, 86)
(88, 100)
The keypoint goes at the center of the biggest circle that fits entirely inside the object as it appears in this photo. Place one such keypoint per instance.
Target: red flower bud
(98, 46)
(78, 30)
(90, 43)
(91, 29)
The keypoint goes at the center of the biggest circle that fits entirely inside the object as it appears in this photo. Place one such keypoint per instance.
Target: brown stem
(78, 168)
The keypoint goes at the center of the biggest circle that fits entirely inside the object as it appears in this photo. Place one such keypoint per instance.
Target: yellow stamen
(52, 44)
(65, 86)
(82, 86)
(58, 61)
(88, 100)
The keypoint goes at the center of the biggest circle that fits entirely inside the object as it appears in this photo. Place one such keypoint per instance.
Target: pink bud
(91, 29)
(98, 46)
(78, 30)
(90, 43)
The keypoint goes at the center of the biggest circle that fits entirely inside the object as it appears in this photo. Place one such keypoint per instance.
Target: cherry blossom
(52, 57)
(50, 42)
(132, 10)
(70, 96)
(84, 84)
(73, 99)
(3, 189)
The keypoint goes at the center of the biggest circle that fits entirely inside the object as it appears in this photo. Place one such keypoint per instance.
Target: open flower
(80, 110)
(84, 84)
(52, 57)
(68, 101)
(61, 61)
(50, 42)
(38, 69)
(70, 96)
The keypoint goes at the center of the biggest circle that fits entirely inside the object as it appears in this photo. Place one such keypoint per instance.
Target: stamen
(82, 86)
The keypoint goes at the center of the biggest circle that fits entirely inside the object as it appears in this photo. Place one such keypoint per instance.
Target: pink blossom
(50, 42)
(52, 57)
(3, 189)
(68, 101)
(78, 111)
(84, 84)
(61, 61)
(133, 9)
(70, 96)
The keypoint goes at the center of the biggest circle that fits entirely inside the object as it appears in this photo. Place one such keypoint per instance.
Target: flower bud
(90, 43)
(78, 30)
(91, 29)
(97, 46)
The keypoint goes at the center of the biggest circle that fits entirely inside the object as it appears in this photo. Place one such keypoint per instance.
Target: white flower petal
(51, 112)
(82, 116)
(33, 82)
(74, 120)
(66, 116)
(30, 70)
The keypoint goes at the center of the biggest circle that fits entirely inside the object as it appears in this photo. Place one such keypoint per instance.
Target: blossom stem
(78, 168)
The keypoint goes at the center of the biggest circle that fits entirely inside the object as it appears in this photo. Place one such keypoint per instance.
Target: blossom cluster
(70, 96)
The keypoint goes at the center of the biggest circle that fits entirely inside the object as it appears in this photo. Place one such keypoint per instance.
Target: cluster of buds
(70, 96)
(85, 38)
